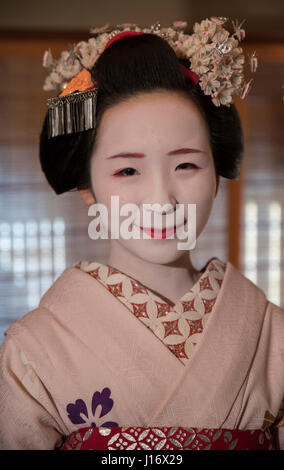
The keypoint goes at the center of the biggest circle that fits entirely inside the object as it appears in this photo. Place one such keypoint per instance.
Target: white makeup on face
(154, 149)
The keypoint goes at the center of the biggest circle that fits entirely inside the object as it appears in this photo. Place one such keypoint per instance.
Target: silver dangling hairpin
(75, 112)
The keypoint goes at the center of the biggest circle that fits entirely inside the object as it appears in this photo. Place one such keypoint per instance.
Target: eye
(186, 165)
(125, 172)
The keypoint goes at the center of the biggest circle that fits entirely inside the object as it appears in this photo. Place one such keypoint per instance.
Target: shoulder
(242, 291)
(57, 307)
(242, 287)
(34, 343)
(69, 287)
(273, 313)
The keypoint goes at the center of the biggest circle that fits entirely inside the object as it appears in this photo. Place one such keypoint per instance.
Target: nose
(160, 197)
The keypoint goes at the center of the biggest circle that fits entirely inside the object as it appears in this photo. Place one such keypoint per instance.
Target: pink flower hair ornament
(216, 61)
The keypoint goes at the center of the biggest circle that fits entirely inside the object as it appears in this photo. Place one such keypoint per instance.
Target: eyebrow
(142, 155)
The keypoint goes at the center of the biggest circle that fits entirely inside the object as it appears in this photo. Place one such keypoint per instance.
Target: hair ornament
(217, 64)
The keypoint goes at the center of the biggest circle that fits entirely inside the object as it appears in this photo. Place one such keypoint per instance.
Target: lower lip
(160, 234)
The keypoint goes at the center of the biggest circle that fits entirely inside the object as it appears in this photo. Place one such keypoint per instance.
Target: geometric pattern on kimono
(178, 326)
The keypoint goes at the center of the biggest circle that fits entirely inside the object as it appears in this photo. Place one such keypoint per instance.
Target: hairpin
(217, 63)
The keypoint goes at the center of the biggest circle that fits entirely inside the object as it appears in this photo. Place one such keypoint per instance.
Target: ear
(87, 196)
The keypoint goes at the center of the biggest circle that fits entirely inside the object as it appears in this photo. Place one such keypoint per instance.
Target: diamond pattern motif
(179, 327)
(171, 328)
(140, 310)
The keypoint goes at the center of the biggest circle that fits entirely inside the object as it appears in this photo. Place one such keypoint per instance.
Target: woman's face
(150, 126)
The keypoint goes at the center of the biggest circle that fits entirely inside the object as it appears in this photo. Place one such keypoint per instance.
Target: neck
(170, 281)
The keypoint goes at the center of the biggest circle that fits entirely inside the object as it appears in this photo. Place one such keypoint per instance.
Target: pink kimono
(105, 358)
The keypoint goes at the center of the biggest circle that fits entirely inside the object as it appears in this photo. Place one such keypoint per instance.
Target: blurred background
(41, 234)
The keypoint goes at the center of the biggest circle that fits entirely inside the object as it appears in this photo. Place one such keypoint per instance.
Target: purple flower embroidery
(75, 410)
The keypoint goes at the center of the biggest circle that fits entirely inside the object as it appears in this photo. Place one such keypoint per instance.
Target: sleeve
(25, 422)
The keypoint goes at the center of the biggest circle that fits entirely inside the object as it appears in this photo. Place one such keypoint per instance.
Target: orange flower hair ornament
(216, 63)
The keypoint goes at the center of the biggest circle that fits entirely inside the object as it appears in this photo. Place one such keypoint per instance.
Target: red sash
(168, 438)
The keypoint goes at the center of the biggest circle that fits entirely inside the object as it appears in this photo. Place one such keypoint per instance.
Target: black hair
(128, 67)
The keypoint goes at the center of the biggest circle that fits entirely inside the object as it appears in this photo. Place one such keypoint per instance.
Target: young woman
(145, 351)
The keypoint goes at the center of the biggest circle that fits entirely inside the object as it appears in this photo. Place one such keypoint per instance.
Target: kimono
(106, 363)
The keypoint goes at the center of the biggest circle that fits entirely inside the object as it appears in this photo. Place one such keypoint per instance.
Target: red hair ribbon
(192, 76)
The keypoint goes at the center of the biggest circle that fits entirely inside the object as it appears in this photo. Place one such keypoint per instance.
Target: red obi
(168, 438)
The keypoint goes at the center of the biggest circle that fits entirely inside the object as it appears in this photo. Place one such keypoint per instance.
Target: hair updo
(130, 66)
